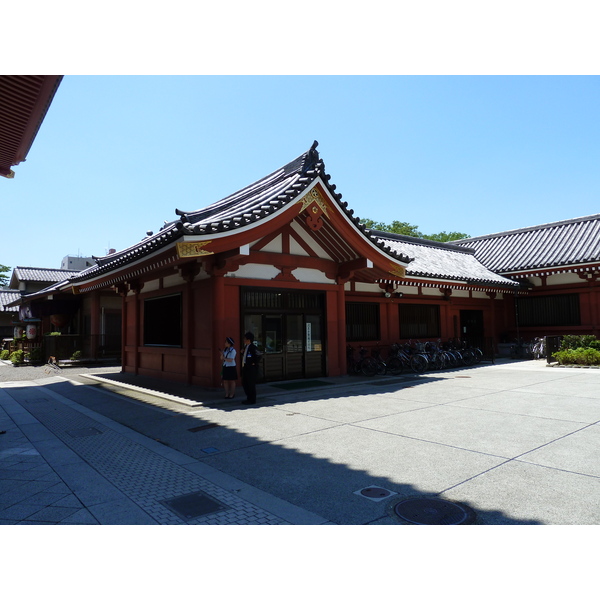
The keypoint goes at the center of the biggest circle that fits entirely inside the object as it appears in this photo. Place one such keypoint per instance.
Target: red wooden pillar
(341, 339)
(95, 323)
(218, 330)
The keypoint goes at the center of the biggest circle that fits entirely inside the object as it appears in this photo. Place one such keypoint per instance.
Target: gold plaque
(314, 196)
(398, 271)
(187, 249)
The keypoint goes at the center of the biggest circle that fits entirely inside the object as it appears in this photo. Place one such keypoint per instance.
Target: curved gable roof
(558, 244)
(240, 210)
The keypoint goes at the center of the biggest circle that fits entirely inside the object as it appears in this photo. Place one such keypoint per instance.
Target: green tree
(404, 228)
(4, 278)
(400, 227)
(446, 236)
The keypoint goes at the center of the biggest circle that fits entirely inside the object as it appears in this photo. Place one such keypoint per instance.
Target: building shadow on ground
(306, 476)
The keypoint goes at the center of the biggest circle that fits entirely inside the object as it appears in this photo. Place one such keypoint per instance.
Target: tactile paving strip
(144, 476)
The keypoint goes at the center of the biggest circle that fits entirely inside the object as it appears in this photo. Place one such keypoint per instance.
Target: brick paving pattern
(35, 493)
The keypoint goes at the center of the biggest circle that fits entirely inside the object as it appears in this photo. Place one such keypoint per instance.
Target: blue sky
(116, 155)
(449, 116)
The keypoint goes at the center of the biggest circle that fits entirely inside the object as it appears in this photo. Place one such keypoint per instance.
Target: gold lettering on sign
(187, 249)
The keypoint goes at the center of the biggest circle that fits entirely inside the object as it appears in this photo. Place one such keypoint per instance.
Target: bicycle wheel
(394, 365)
(368, 366)
(418, 363)
(478, 355)
(381, 367)
(468, 357)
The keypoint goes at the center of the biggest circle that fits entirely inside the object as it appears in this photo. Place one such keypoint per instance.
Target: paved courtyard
(515, 442)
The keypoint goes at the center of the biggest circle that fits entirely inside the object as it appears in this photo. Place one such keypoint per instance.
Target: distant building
(76, 263)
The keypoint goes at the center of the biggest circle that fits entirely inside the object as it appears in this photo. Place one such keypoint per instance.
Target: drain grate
(433, 511)
(375, 493)
(85, 432)
(192, 506)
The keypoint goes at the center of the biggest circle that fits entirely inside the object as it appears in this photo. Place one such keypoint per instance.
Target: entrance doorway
(471, 327)
(288, 328)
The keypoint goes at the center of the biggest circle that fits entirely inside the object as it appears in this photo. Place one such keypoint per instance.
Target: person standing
(250, 361)
(229, 369)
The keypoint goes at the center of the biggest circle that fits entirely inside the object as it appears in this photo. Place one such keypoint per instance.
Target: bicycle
(538, 348)
(415, 362)
(366, 365)
(51, 367)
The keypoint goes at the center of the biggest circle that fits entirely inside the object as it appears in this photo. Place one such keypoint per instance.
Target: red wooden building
(286, 259)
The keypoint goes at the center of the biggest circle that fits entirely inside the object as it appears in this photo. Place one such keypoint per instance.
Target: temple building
(287, 259)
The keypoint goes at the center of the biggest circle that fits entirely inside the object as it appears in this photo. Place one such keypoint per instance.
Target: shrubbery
(17, 357)
(579, 350)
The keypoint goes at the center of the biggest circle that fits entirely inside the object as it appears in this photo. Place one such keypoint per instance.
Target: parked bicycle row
(535, 349)
(413, 356)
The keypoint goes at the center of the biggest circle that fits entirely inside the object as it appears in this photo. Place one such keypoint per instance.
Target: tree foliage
(404, 228)
(4, 278)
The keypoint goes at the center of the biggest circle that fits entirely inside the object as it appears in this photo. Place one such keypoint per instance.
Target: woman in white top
(229, 371)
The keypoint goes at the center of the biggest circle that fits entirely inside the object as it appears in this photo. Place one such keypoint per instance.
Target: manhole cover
(375, 492)
(192, 506)
(433, 511)
(85, 432)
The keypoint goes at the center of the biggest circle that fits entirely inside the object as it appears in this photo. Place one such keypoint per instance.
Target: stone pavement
(517, 442)
(61, 463)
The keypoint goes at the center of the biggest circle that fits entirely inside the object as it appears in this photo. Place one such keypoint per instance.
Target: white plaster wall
(460, 293)
(409, 289)
(309, 240)
(564, 279)
(254, 271)
(150, 286)
(171, 281)
(368, 287)
(427, 291)
(273, 246)
(311, 276)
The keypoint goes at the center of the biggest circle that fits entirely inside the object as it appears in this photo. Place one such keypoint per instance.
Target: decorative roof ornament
(312, 159)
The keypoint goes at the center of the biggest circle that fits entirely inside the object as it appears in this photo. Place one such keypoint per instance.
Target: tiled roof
(563, 243)
(24, 102)
(41, 275)
(442, 261)
(6, 297)
(238, 211)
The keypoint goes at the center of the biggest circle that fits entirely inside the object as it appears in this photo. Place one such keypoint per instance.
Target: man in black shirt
(250, 361)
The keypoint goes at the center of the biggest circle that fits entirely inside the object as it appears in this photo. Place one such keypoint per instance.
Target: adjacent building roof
(24, 102)
(549, 246)
(440, 260)
(39, 275)
(6, 297)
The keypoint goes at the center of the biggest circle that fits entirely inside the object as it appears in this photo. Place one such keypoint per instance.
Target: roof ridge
(49, 269)
(420, 241)
(510, 232)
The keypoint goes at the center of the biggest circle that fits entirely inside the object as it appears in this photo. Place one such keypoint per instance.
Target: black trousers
(249, 377)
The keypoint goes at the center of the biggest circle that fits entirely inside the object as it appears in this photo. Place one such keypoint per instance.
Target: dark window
(282, 300)
(548, 310)
(419, 321)
(162, 321)
(362, 321)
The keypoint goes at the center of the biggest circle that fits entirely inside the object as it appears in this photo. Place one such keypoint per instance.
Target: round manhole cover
(433, 511)
(375, 492)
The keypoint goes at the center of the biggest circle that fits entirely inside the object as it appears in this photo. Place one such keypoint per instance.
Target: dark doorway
(288, 328)
(471, 327)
